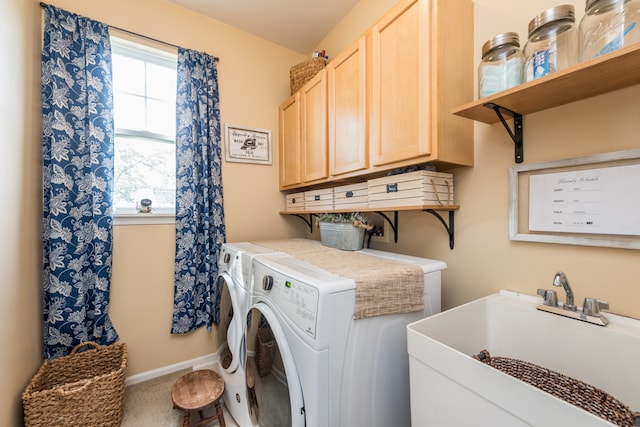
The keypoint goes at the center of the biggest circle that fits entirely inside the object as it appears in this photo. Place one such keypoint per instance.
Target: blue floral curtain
(200, 229)
(77, 113)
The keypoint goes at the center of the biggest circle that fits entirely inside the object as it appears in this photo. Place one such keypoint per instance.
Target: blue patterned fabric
(77, 113)
(200, 229)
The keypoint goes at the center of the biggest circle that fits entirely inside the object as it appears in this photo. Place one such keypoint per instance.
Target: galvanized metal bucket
(341, 236)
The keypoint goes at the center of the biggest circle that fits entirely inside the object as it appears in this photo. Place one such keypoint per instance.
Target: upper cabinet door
(388, 99)
(313, 101)
(348, 114)
(401, 76)
(289, 142)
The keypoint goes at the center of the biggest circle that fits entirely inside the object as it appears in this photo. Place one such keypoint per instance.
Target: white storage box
(318, 200)
(352, 196)
(294, 202)
(411, 189)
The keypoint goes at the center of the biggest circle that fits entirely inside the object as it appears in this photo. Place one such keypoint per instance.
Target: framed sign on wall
(590, 201)
(247, 145)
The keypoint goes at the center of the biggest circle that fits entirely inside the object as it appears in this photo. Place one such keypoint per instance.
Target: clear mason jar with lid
(552, 43)
(608, 25)
(501, 66)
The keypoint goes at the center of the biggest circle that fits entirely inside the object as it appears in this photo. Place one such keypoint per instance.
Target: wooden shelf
(391, 209)
(617, 70)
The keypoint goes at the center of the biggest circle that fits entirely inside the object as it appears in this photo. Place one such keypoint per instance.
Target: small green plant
(354, 218)
(343, 217)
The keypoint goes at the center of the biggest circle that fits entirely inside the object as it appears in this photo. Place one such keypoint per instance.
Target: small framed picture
(247, 145)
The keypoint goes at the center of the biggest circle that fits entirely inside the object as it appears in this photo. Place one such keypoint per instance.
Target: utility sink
(449, 387)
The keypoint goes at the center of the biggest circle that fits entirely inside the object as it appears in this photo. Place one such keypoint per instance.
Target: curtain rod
(43, 4)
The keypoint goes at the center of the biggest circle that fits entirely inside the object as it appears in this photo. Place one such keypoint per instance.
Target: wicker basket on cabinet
(303, 72)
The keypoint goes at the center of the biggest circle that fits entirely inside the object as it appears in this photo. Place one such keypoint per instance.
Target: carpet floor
(149, 404)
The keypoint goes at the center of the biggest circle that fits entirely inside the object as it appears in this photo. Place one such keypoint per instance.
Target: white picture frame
(519, 200)
(247, 145)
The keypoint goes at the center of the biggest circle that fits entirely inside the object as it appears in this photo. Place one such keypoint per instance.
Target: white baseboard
(197, 363)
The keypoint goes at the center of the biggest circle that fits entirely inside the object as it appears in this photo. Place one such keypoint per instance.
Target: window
(144, 91)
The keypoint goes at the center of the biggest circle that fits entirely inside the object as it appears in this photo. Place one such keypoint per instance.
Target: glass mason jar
(608, 25)
(552, 43)
(501, 66)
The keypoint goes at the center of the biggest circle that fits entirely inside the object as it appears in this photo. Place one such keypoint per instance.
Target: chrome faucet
(590, 312)
(560, 279)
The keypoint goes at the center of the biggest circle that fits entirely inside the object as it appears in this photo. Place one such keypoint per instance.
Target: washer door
(277, 396)
(235, 328)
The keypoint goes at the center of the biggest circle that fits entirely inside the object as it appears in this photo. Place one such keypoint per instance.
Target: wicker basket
(82, 389)
(301, 73)
(265, 350)
(573, 391)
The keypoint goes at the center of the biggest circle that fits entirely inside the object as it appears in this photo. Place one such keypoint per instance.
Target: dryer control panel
(296, 299)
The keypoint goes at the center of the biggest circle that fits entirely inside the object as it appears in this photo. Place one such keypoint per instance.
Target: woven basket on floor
(301, 73)
(265, 350)
(82, 389)
(573, 391)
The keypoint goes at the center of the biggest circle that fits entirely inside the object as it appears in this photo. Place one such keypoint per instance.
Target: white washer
(340, 372)
(293, 296)
(235, 266)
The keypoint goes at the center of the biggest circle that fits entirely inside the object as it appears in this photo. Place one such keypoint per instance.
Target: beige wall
(254, 81)
(364, 14)
(484, 259)
(20, 231)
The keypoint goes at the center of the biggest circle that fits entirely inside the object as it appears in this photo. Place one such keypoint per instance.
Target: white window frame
(141, 51)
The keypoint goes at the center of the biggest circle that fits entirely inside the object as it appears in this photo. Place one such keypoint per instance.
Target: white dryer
(235, 267)
(339, 371)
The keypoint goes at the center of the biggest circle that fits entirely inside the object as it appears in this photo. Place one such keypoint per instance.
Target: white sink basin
(449, 388)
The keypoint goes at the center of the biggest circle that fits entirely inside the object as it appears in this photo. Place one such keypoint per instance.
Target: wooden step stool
(197, 390)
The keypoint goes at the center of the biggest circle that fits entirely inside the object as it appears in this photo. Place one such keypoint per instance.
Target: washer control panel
(298, 300)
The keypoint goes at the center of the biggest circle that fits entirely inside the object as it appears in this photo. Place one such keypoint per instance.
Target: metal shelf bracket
(449, 227)
(309, 221)
(393, 223)
(516, 134)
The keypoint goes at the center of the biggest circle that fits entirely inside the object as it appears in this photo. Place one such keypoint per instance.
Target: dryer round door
(233, 319)
(277, 393)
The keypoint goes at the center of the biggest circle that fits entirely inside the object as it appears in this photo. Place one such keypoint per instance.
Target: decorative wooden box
(352, 196)
(411, 189)
(294, 202)
(318, 200)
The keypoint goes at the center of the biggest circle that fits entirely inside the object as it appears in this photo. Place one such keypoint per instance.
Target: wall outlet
(383, 232)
